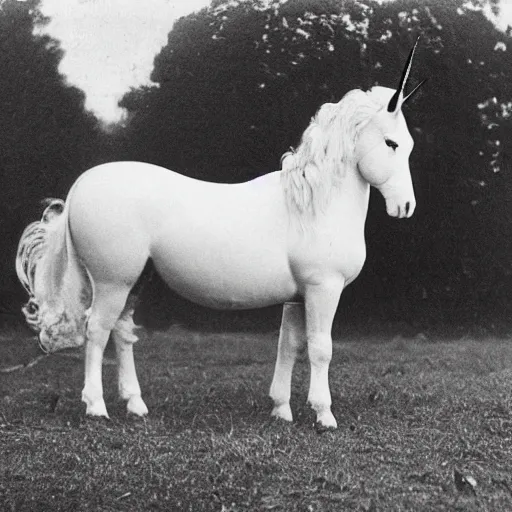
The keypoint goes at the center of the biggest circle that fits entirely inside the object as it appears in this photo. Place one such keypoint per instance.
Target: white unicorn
(295, 236)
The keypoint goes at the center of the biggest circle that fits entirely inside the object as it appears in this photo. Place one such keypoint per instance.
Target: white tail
(58, 285)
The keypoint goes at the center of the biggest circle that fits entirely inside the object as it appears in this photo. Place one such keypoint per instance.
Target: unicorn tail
(57, 284)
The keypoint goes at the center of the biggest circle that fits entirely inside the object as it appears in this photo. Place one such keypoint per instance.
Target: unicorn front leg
(291, 341)
(128, 384)
(321, 301)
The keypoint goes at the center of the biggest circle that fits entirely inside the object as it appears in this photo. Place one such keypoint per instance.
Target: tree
(47, 138)
(238, 82)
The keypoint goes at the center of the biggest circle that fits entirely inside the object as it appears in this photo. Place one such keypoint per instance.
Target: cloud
(110, 44)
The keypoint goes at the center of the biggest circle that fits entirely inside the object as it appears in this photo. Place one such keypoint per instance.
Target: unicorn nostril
(407, 207)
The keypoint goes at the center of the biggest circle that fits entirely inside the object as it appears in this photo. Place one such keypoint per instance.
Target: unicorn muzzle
(399, 195)
(400, 209)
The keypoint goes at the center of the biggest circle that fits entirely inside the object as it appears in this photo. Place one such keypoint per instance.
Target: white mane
(326, 151)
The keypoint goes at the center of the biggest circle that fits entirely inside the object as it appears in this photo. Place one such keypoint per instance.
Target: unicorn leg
(128, 384)
(108, 303)
(321, 302)
(291, 340)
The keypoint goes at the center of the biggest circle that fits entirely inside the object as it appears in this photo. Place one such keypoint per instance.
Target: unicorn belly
(222, 273)
(228, 289)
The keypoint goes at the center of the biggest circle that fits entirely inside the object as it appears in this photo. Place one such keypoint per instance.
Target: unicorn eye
(391, 144)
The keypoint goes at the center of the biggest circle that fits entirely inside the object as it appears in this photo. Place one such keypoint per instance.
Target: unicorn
(292, 237)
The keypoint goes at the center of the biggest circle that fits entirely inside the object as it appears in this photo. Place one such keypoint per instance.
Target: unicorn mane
(326, 151)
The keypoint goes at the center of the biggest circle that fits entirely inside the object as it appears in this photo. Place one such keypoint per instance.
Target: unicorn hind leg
(128, 384)
(109, 301)
(292, 339)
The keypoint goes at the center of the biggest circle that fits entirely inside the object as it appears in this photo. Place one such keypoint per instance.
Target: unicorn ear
(396, 101)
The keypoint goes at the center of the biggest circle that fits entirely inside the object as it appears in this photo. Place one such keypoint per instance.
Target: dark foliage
(46, 137)
(238, 82)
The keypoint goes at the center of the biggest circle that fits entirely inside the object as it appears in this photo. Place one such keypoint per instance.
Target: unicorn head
(384, 145)
(365, 132)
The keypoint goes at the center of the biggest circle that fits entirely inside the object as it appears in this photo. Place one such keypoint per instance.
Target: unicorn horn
(395, 103)
(413, 92)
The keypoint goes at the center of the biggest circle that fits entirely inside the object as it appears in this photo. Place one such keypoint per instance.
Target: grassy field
(411, 413)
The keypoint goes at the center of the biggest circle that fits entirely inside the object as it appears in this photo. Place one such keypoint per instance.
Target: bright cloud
(110, 44)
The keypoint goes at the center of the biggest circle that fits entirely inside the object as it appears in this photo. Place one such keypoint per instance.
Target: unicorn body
(204, 248)
(294, 236)
(218, 257)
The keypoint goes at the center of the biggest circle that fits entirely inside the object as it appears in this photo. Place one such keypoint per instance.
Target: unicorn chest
(330, 252)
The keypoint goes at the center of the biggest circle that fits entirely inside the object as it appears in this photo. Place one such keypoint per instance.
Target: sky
(110, 44)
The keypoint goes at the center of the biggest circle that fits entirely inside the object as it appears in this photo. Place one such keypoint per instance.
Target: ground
(412, 413)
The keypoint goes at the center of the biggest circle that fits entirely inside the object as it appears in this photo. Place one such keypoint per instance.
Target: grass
(410, 412)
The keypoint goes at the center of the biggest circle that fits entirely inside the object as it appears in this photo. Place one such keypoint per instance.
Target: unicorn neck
(351, 195)
(310, 192)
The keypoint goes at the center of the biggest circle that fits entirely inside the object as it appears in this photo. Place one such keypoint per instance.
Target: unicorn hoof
(282, 412)
(97, 410)
(136, 406)
(326, 421)
(320, 428)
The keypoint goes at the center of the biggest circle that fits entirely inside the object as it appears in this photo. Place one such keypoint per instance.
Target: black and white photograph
(256, 255)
